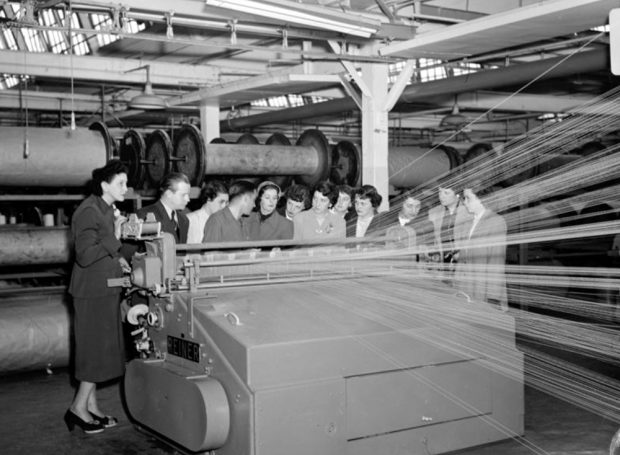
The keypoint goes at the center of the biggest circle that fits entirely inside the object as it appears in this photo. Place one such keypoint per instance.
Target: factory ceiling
(498, 65)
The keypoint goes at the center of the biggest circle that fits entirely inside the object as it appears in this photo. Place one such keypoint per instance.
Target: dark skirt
(99, 345)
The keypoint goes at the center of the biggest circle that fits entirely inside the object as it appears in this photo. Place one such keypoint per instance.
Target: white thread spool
(48, 219)
(12, 219)
(2, 219)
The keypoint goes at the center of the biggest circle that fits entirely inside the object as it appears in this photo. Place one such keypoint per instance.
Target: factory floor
(32, 406)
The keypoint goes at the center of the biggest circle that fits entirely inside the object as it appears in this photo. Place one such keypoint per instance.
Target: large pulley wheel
(453, 155)
(158, 151)
(189, 153)
(247, 138)
(318, 141)
(279, 139)
(131, 154)
(110, 144)
(346, 164)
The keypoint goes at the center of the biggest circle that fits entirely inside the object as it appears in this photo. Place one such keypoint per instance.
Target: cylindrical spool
(248, 138)
(29, 246)
(48, 219)
(346, 164)
(499, 174)
(189, 153)
(316, 141)
(34, 332)
(412, 166)
(279, 139)
(132, 154)
(158, 153)
(51, 157)
(305, 159)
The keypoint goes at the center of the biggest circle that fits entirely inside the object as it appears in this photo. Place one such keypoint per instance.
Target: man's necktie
(175, 220)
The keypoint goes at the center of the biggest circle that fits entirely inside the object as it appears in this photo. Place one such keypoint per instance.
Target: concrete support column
(210, 120)
(375, 130)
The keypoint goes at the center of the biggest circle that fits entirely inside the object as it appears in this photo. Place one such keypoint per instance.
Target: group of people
(245, 212)
(460, 230)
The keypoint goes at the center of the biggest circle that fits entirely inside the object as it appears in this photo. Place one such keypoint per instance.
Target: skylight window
(290, 100)
(8, 81)
(104, 22)
(7, 40)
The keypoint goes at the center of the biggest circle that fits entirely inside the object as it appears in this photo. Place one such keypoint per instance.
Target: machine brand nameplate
(183, 348)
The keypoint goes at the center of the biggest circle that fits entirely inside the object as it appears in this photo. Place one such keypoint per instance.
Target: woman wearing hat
(265, 223)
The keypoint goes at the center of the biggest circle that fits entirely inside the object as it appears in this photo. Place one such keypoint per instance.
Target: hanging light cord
(70, 16)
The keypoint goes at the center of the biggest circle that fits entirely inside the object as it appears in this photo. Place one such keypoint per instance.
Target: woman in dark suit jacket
(99, 347)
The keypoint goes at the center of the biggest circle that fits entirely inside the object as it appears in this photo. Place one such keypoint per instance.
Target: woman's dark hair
(369, 192)
(298, 193)
(106, 174)
(171, 180)
(239, 188)
(210, 190)
(346, 189)
(264, 186)
(328, 190)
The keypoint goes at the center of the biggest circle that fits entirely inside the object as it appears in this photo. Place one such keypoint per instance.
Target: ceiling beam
(427, 91)
(515, 27)
(105, 69)
(258, 85)
(520, 102)
(48, 101)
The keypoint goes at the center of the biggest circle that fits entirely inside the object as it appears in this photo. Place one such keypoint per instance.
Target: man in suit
(450, 220)
(412, 214)
(480, 271)
(169, 209)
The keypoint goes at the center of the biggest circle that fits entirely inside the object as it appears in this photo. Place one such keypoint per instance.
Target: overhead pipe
(515, 74)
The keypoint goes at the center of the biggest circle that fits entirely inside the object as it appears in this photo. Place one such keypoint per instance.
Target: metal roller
(279, 139)
(309, 159)
(248, 138)
(132, 154)
(346, 164)
(111, 145)
(410, 167)
(53, 157)
(317, 142)
(488, 152)
(189, 153)
(34, 332)
(30, 246)
(158, 156)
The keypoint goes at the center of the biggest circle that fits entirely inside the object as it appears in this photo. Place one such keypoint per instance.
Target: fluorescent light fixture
(297, 14)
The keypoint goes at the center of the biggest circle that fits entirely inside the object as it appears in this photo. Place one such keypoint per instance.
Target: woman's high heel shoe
(72, 420)
(106, 421)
